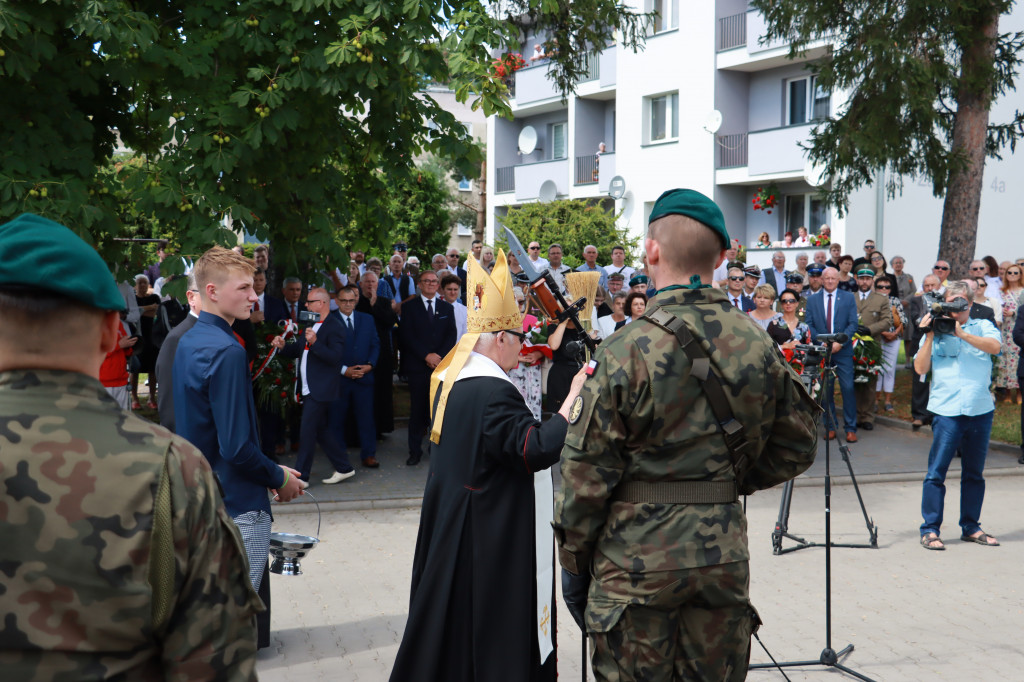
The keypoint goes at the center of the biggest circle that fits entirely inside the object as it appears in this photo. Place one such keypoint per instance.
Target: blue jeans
(970, 435)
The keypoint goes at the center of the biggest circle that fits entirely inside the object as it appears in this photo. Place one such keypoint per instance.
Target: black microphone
(839, 338)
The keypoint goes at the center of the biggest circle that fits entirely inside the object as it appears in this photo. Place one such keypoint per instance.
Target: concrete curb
(999, 446)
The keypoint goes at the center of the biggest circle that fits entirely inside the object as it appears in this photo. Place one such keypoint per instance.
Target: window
(667, 17)
(558, 141)
(464, 230)
(806, 210)
(806, 101)
(465, 184)
(662, 119)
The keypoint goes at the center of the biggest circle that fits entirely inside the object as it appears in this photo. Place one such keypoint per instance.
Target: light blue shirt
(961, 373)
(603, 282)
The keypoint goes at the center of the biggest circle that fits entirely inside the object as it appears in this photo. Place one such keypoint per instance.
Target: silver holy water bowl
(288, 548)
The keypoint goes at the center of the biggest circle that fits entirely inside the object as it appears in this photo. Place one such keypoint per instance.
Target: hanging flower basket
(766, 198)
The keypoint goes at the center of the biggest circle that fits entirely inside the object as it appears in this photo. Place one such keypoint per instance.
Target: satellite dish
(814, 175)
(527, 140)
(713, 122)
(548, 191)
(617, 187)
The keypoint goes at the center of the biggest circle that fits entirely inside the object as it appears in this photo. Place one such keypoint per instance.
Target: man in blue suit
(320, 376)
(362, 348)
(426, 332)
(833, 311)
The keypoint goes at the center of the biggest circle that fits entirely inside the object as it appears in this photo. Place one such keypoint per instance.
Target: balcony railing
(505, 180)
(586, 170)
(732, 31)
(593, 69)
(732, 151)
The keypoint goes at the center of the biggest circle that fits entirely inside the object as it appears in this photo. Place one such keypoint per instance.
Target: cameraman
(961, 365)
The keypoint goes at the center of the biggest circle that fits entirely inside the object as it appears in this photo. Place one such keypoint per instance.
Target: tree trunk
(481, 204)
(959, 234)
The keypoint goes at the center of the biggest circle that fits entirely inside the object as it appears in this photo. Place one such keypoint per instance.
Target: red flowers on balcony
(766, 198)
(507, 65)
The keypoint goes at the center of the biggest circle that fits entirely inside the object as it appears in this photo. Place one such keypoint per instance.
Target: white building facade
(652, 108)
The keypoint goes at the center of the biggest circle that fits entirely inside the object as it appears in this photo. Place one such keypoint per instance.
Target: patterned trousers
(255, 529)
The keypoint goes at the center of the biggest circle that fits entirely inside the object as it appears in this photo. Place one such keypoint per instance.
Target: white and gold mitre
(491, 307)
(491, 298)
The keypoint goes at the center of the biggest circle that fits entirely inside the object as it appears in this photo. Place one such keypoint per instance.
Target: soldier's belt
(677, 492)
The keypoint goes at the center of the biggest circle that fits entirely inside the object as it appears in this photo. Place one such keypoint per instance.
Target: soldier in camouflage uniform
(662, 577)
(118, 559)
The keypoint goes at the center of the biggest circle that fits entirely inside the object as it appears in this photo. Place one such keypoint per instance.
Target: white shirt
(434, 304)
(302, 363)
(830, 322)
(261, 301)
(461, 315)
(626, 270)
(540, 263)
(736, 300)
(864, 295)
(802, 241)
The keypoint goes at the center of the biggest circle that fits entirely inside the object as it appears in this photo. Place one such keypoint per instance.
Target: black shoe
(1020, 460)
(413, 460)
(867, 426)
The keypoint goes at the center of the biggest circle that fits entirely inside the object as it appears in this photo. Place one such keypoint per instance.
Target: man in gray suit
(874, 312)
(165, 360)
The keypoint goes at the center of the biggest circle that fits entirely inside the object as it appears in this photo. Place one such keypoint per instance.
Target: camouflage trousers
(695, 626)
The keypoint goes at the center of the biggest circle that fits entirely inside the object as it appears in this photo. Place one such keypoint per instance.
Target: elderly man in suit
(875, 313)
(834, 311)
(457, 270)
(319, 364)
(426, 333)
(775, 276)
(361, 350)
(165, 360)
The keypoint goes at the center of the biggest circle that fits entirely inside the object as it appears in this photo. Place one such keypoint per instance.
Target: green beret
(639, 279)
(695, 205)
(865, 272)
(38, 253)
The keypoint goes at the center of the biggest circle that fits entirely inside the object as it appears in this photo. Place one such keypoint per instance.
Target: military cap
(815, 270)
(38, 253)
(865, 272)
(752, 270)
(639, 279)
(695, 205)
(794, 278)
(617, 275)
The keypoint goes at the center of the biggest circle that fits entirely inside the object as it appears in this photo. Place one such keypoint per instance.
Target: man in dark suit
(734, 290)
(775, 276)
(458, 271)
(919, 305)
(319, 362)
(833, 311)
(362, 348)
(165, 360)
(267, 308)
(426, 333)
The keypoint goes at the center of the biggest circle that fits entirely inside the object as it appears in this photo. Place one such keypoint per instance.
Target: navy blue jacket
(323, 364)
(274, 309)
(362, 346)
(844, 317)
(214, 409)
(419, 336)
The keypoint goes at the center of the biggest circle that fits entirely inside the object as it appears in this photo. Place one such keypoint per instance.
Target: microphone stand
(829, 657)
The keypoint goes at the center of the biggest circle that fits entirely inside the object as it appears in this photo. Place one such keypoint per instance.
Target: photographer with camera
(958, 350)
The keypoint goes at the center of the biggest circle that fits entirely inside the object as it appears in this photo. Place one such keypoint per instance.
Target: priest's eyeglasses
(519, 335)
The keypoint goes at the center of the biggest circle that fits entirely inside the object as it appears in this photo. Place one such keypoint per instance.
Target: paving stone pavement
(911, 614)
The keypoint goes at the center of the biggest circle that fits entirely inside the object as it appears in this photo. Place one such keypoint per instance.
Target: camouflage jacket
(78, 478)
(643, 418)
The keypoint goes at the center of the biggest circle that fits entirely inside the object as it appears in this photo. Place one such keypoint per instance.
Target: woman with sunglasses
(1006, 374)
(881, 267)
(980, 296)
(763, 242)
(791, 317)
(890, 340)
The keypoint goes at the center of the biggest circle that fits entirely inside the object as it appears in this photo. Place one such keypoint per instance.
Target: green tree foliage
(282, 117)
(573, 223)
(420, 215)
(922, 76)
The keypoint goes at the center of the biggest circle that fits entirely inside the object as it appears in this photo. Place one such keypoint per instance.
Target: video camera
(942, 315)
(307, 317)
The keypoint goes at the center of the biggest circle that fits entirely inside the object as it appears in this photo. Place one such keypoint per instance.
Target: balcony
(505, 180)
(731, 151)
(533, 85)
(732, 31)
(737, 53)
(530, 176)
(586, 170)
(777, 150)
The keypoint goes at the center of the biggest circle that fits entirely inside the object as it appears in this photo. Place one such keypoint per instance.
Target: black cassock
(472, 614)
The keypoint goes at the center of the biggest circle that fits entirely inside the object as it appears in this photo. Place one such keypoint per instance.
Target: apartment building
(653, 110)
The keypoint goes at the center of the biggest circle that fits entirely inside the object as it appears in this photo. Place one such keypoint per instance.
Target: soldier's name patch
(576, 409)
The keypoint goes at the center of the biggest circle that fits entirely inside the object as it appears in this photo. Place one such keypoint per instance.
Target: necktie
(736, 302)
(257, 306)
(293, 312)
(430, 307)
(828, 314)
(348, 323)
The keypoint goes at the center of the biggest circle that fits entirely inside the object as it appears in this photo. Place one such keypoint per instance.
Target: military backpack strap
(700, 369)
(161, 550)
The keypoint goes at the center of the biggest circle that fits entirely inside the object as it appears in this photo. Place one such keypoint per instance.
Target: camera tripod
(829, 657)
